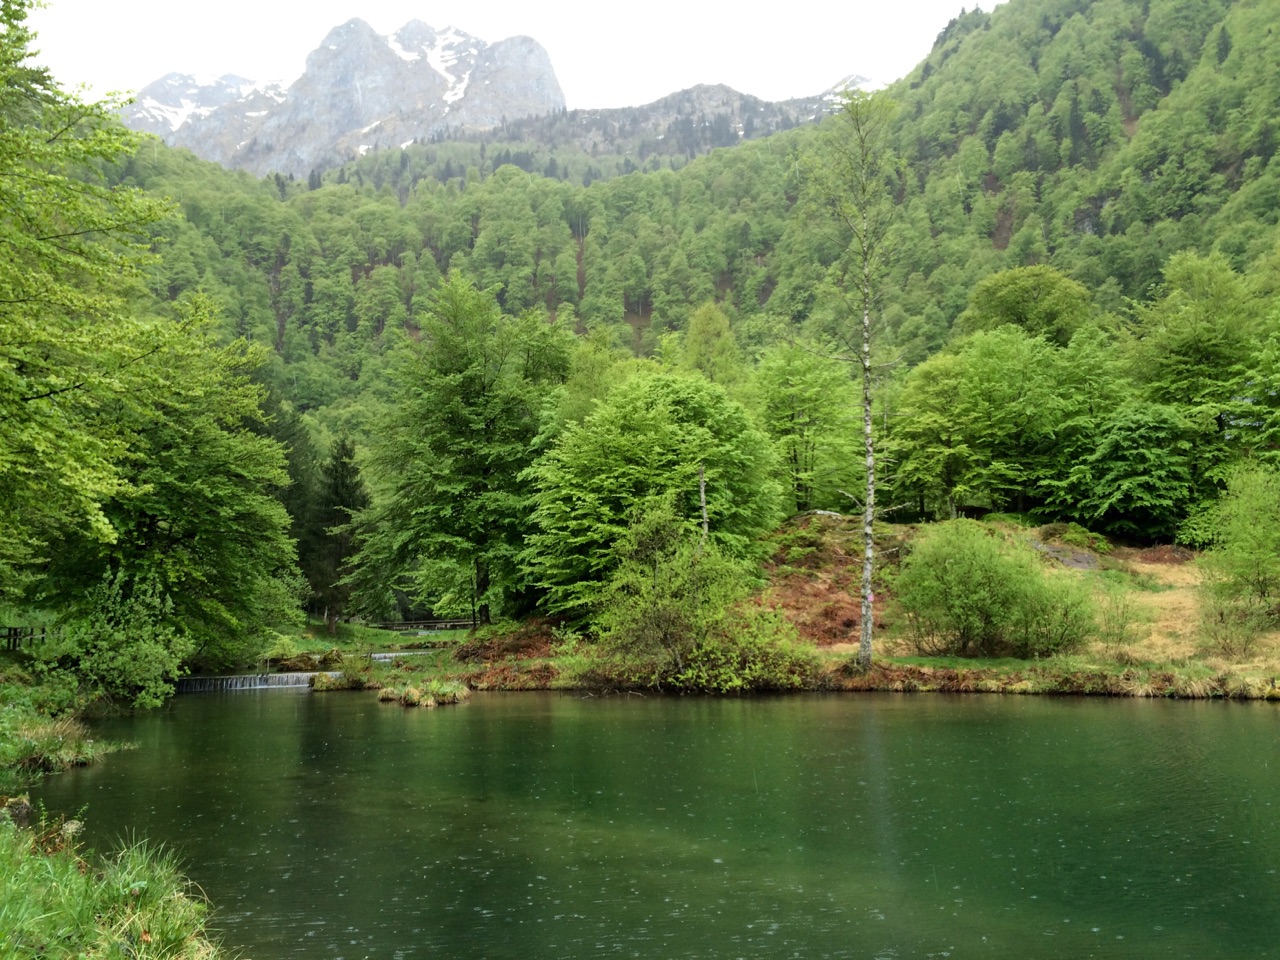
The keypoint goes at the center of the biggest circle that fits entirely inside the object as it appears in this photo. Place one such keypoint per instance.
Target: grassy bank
(410, 682)
(56, 902)
(1150, 637)
(39, 733)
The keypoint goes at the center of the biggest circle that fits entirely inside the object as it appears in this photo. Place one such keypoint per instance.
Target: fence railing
(405, 626)
(14, 638)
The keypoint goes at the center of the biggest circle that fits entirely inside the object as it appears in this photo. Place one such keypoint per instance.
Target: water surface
(547, 826)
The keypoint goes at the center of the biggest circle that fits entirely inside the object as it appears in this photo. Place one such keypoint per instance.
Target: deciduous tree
(849, 179)
(449, 501)
(70, 242)
(653, 436)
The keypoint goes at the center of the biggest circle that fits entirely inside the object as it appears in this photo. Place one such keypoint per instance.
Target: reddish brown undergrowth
(529, 640)
(511, 676)
(815, 573)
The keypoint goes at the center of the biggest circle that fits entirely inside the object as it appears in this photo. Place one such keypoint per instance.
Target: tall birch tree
(849, 181)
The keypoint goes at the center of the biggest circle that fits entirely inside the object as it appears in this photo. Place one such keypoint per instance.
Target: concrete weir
(246, 681)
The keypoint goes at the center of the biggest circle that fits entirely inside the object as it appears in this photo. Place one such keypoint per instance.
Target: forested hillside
(1096, 138)
(509, 377)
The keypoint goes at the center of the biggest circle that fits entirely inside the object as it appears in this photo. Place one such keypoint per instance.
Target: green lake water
(546, 826)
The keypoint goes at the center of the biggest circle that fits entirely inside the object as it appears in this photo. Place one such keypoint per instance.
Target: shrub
(1074, 535)
(1240, 586)
(1056, 616)
(757, 651)
(1015, 519)
(1231, 625)
(1116, 622)
(969, 592)
(1077, 536)
(669, 593)
(124, 646)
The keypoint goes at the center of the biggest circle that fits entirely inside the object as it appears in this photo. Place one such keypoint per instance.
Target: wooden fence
(406, 626)
(15, 637)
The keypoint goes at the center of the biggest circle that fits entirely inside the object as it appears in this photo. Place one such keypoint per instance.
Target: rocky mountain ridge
(360, 91)
(687, 123)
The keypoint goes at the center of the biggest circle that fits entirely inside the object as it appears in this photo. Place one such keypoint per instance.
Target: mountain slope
(1098, 138)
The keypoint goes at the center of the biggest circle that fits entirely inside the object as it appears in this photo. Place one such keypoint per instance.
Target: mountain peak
(354, 29)
(360, 91)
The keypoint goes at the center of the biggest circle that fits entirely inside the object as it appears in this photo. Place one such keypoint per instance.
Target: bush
(1014, 519)
(1240, 584)
(1074, 535)
(1057, 616)
(675, 615)
(1231, 625)
(669, 593)
(1117, 626)
(125, 646)
(757, 652)
(969, 592)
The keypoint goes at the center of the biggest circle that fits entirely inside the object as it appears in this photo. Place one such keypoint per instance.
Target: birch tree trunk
(850, 178)
(869, 506)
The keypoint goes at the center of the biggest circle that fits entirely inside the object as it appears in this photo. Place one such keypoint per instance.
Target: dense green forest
(496, 379)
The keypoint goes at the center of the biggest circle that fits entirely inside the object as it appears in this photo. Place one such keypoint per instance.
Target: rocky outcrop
(360, 91)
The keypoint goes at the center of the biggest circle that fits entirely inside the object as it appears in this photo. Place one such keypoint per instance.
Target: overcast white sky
(605, 55)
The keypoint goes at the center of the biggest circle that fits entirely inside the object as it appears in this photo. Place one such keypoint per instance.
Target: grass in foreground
(133, 904)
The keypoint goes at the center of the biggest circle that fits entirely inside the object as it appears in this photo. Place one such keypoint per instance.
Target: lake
(538, 825)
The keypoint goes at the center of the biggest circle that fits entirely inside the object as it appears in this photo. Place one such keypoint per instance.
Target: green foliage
(974, 422)
(1240, 582)
(1015, 519)
(674, 612)
(1053, 152)
(668, 593)
(1139, 479)
(1039, 300)
(1196, 334)
(331, 545)
(434, 692)
(808, 406)
(71, 247)
(1117, 621)
(652, 437)
(709, 347)
(33, 743)
(124, 644)
(755, 652)
(355, 672)
(1088, 188)
(969, 592)
(1074, 535)
(449, 499)
(199, 517)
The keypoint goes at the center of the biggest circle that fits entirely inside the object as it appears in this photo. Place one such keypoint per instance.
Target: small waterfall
(245, 681)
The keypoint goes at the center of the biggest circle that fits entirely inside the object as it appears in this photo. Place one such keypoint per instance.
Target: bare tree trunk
(479, 602)
(869, 507)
